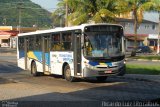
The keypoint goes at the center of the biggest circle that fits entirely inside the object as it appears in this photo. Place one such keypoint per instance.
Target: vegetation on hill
(31, 14)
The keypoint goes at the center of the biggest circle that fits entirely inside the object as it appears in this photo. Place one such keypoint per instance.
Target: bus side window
(66, 41)
(56, 45)
(21, 43)
(38, 43)
(31, 43)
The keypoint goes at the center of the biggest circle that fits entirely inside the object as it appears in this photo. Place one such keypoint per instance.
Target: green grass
(142, 69)
(147, 57)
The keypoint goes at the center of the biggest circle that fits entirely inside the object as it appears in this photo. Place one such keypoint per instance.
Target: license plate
(109, 71)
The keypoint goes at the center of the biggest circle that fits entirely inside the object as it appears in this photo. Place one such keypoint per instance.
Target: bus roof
(58, 29)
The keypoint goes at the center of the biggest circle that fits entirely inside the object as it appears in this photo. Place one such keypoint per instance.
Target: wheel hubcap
(68, 73)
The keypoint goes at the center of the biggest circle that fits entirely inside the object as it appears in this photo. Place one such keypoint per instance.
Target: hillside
(31, 14)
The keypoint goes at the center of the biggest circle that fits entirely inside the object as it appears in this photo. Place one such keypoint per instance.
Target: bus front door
(46, 54)
(77, 55)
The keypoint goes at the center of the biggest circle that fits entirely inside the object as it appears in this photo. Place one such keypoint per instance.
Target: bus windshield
(102, 44)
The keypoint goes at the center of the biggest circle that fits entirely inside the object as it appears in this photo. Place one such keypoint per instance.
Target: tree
(138, 7)
(58, 14)
(82, 11)
(97, 11)
(156, 5)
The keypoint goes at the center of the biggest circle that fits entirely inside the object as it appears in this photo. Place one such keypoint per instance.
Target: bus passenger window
(31, 43)
(66, 40)
(21, 43)
(56, 44)
(38, 43)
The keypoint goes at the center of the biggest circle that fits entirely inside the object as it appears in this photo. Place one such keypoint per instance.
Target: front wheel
(122, 71)
(67, 74)
(101, 79)
(34, 69)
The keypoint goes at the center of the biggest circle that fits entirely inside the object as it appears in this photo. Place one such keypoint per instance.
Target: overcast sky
(50, 5)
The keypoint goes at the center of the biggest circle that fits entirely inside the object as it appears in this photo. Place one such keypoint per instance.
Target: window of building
(152, 43)
(5, 40)
(153, 26)
(146, 26)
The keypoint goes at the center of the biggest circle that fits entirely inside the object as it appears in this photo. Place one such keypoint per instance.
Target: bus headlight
(86, 64)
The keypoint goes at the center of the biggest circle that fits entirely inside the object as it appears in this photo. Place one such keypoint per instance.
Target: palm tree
(82, 11)
(156, 5)
(98, 11)
(138, 7)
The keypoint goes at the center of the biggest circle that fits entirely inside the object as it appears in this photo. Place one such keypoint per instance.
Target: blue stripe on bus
(21, 53)
(47, 57)
(38, 54)
(93, 63)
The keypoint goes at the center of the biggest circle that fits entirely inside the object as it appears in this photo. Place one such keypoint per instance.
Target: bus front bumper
(88, 72)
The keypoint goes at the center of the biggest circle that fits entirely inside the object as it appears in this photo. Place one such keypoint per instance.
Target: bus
(87, 50)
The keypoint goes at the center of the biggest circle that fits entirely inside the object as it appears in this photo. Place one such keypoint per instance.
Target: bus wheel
(122, 71)
(101, 79)
(34, 69)
(67, 74)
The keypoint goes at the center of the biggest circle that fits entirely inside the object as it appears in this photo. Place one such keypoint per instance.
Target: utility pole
(158, 35)
(66, 21)
(20, 15)
(4, 21)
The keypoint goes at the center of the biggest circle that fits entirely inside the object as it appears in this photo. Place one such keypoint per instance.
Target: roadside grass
(142, 69)
(147, 57)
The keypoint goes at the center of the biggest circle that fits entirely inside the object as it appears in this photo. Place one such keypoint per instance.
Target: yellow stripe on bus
(30, 54)
(102, 64)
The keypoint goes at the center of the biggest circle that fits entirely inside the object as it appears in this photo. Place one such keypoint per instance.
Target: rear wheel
(101, 79)
(67, 74)
(34, 69)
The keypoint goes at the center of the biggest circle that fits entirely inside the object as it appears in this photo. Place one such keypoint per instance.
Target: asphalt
(141, 77)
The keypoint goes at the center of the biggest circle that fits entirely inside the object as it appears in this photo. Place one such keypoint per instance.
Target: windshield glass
(102, 44)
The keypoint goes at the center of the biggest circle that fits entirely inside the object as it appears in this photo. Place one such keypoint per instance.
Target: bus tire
(102, 78)
(122, 72)
(67, 74)
(34, 69)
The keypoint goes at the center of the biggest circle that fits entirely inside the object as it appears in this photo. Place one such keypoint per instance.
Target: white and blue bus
(88, 50)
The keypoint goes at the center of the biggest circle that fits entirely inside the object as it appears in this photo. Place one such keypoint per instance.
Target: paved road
(18, 85)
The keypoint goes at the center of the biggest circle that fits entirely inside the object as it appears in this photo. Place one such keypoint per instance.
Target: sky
(50, 5)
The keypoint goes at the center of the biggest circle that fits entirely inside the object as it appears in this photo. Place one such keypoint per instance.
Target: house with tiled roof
(8, 35)
(147, 33)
